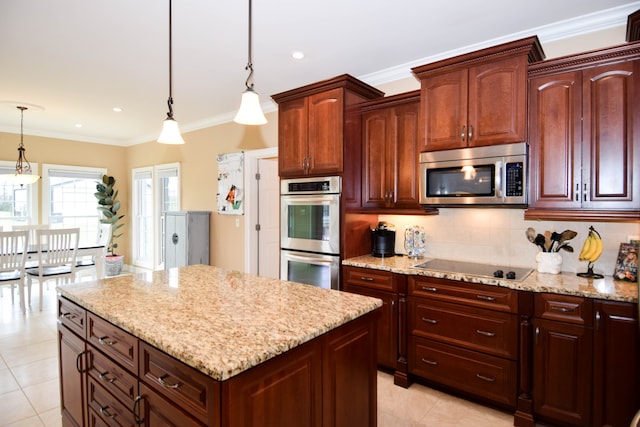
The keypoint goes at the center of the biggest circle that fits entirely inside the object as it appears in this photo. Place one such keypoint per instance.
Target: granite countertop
(563, 283)
(219, 321)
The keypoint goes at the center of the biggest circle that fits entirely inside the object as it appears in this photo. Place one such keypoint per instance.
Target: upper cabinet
(583, 148)
(389, 152)
(313, 125)
(478, 98)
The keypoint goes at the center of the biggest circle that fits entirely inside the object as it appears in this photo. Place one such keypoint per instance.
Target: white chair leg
(21, 297)
(40, 285)
(29, 290)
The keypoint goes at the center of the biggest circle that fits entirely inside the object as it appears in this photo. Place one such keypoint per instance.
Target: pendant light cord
(170, 100)
(249, 61)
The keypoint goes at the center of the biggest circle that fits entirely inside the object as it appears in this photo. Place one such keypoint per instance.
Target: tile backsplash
(497, 236)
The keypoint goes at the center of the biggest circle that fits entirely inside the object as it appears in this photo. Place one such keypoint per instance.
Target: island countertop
(563, 283)
(218, 321)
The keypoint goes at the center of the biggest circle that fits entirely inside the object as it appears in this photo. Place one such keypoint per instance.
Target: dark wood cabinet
(390, 152)
(616, 381)
(383, 285)
(312, 124)
(73, 404)
(562, 359)
(476, 99)
(464, 336)
(583, 147)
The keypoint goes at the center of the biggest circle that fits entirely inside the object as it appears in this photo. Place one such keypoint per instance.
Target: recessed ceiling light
(117, 109)
(297, 54)
(78, 125)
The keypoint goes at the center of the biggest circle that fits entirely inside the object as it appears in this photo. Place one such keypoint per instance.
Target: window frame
(32, 198)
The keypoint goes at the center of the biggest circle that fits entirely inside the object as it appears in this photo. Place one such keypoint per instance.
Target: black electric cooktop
(476, 269)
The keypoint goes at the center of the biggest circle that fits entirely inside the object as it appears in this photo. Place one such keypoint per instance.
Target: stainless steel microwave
(479, 176)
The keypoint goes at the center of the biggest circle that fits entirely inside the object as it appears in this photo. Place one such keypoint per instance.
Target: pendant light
(250, 112)
(23, 174)
(170, 132)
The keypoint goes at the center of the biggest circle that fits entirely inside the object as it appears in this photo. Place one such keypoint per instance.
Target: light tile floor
(29, 393)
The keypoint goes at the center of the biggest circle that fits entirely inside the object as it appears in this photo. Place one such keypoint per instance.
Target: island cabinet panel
(113, 341)
(349, 377)
(72, 364)
(284, 391)
(313, 125)
(105, 407)
(464, 336)
(583, 146)
(476, 99)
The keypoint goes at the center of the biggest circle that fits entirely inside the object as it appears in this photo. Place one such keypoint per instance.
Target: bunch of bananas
(592, 247)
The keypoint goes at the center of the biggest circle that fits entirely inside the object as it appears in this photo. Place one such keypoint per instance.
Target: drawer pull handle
(485, 378)
(103, 377)
(166, 384)
(429, 289)
(103, 411)
(562, 309)
(486, 333)
(432, 321)
(67, 316)
(485, 298)
(429, 362)
(366, 279)
(105, 341)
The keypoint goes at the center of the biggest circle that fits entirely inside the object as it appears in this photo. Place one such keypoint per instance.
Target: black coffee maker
(383, 240)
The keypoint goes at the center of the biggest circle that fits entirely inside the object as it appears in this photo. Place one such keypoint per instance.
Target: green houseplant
(109, 205)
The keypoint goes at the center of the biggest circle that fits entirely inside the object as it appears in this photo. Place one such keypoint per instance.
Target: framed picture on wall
(627, 263)
(230, 184)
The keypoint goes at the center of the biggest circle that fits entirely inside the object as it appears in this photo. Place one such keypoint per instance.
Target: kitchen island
(201, 345)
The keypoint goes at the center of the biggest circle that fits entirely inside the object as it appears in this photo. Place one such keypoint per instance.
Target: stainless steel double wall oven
(310, 230)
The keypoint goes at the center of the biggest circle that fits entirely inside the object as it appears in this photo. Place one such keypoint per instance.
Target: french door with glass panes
(156, 190)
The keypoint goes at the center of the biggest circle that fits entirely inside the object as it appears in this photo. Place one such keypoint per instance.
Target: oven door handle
(309, 258)
(316, 200)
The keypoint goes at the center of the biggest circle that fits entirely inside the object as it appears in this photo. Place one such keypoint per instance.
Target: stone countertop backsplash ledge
(218, 321)
(563, 283)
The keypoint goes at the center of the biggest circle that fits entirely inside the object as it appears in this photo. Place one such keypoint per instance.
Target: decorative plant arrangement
(550, 243)
(109, 206)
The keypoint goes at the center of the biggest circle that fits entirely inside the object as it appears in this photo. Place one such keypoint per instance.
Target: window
(156, 190)
(68, 199)
(18, 204)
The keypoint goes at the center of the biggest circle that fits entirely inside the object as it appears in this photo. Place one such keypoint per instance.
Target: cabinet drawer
(72, 316)
(114, 342)
(115, 379)
(564, 308)
(485, 376)
(196, 393)
(474, 328)
(106, 407)
(159, 412)
(477, 295)
(370, 278)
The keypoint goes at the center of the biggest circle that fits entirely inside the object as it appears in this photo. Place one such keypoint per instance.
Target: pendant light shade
(170, 132)
(23, 174)
(250, 112)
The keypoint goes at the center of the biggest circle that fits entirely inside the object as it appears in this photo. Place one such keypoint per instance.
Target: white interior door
(269, 218)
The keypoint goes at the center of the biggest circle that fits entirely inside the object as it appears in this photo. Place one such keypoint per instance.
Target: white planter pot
(549, 262)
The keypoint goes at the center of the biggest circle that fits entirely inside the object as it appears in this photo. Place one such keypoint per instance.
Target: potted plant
(109, 206)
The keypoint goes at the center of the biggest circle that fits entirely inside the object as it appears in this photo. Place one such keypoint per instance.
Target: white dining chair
(12, 262)
(31, 228)
(89, 262)
(57, 250)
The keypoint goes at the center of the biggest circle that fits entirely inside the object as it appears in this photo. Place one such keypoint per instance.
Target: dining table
(94, 249)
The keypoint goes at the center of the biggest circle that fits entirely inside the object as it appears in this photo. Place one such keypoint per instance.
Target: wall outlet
(237, 222)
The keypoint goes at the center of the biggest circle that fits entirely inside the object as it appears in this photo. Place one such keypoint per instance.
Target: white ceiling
(72, 61)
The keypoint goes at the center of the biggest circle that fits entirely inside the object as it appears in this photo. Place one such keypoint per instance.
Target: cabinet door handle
(485, 333)
(470, 133)
(597, 319)
(79, 367)
(366, 279)
(584, 193)
(136, 405)
(429, 362)
(485, 298)
(485, 378)
(166, 384)
(429, 289)
(537, 335)
(463, 133)
(432, 321)
(577, 192)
